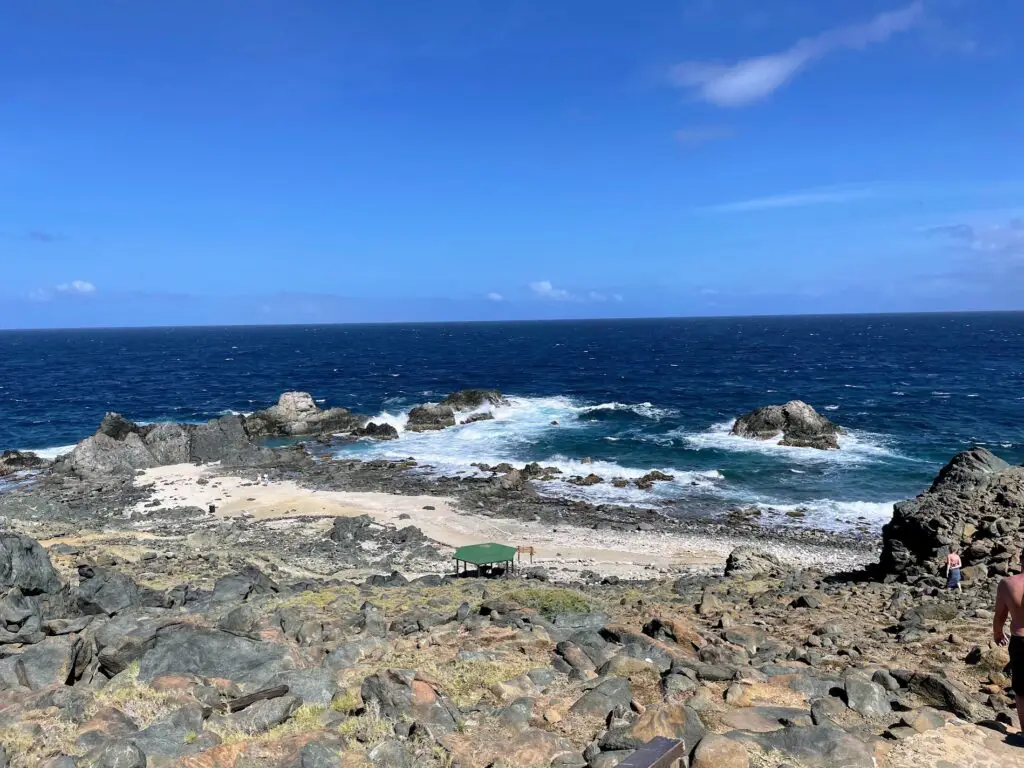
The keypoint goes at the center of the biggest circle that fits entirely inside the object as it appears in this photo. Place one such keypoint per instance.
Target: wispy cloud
(492, 296)
(996, 241)
(754, 79)
(702, 134)
(545, 290)
(72, 288)
(792, 200)
(77, 288)
(38, 236)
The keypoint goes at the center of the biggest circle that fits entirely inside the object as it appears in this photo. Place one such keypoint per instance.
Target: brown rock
(716, 751)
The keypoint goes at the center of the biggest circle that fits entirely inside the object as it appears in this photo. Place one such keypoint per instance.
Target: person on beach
(953, 566)
(1010, 603)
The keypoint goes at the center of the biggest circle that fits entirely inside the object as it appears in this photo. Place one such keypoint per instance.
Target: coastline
(565, 549)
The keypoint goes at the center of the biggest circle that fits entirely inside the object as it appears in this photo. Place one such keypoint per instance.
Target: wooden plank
(657, 753)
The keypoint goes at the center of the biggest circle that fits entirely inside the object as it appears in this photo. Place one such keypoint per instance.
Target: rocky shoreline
(134, 632)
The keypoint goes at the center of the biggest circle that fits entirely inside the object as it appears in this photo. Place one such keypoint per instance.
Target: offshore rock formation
(121, 446)
(18, 461)
(431, 417)
(799, 424)
(297, 415)
(975, 505)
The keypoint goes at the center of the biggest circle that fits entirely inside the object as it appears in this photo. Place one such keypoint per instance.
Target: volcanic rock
(798, 423)
(297, 414)
(975, 505)
(16, 461)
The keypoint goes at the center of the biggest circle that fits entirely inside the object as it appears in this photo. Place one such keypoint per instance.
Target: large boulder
(799, 425)
(975, 505)
(471, 399)
(376, 431)
(18, 461)
(102, 455)
(26, 565)
(750, 561)
(120, 446)
(297, 414)
(402, 696)
(103, 591)
(184, 649)
(430, 417)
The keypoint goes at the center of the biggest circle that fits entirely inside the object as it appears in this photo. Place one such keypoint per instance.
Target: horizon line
(925, 313)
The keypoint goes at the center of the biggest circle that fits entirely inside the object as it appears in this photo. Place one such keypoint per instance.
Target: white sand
(572, 549)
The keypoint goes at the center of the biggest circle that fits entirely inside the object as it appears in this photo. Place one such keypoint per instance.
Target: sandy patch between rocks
(631, 554)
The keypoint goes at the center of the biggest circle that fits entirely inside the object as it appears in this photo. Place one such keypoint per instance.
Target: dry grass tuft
(30, 743)
(369, 728)
(137, 700)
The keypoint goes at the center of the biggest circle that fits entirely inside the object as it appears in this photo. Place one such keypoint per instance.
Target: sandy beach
(565, 550)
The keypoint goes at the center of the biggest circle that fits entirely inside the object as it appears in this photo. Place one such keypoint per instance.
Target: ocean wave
(647, 410)
(829, 513)
(831, 407)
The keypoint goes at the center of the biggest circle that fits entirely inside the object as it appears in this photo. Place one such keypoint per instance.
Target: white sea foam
(828, 513)
(831, 407)
(855, 446)
(647, 410)
(50, 453)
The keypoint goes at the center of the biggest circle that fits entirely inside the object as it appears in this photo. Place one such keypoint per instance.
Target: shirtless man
(1010, 603)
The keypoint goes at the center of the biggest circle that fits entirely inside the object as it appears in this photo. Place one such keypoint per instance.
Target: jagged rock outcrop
(471, 399)
(376, 431)
(975, 505)
(798, 423)
(120, 446)
(430, 417)
(434, 416)
(297, 414)
(17, 461)
(748, 561)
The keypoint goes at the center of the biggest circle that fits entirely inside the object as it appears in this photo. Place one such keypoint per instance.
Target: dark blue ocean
(911, 390)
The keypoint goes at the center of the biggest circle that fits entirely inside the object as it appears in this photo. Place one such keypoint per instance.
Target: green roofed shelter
(484, 555)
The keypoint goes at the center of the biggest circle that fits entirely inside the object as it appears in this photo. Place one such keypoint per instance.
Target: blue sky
(315, 161)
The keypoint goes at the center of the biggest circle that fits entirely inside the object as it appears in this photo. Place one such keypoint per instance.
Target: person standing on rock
(1010, 603)
(953, 576)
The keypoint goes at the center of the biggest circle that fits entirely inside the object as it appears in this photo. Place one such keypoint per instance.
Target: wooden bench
(657, 753)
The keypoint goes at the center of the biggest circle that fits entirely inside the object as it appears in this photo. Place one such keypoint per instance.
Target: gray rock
(169, 736)
(120, 753)
(297, 414)
(390, 754)
(19, 461)
(169, 443)
(185, 649)
(316, 755)
(239, 587)
(517, 714)
(750, 561)
(264, 715)
(26, 565)
(865, 697)
(430, 417)
(943, 693)
(102, 455)
(796, 422)
(602, 699)
(401, 696)
(103, 591)
(816, 746)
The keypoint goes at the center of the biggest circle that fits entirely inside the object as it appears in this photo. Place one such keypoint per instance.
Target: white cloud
(595, 296)
(792, 200)
(750, 80)
(492, 296)
(40, 295)
(545, 290)
(77, 287)
(617, 297)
